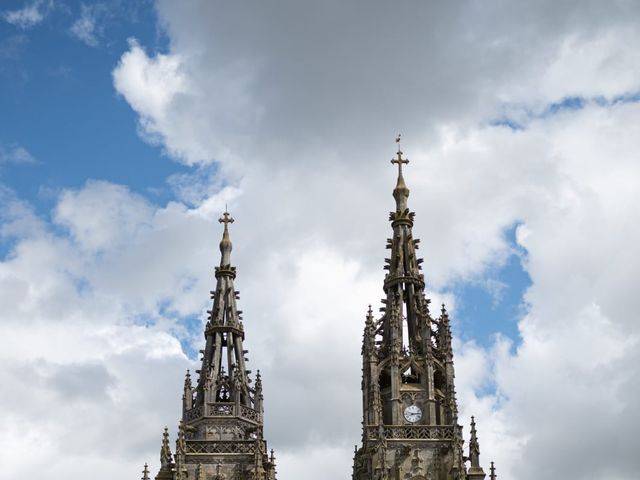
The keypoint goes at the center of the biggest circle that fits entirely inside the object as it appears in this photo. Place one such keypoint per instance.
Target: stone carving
(408, 385)
(222, 415)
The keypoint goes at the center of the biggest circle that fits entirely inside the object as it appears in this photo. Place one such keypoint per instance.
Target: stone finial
(225, 243)
(401, 192)
(493, 475)
(145, 472)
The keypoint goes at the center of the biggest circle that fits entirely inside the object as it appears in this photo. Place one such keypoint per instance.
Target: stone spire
(166, 458)
(475, 471)
(410, 410)
(493, 475)
(221, 432)
(224, 376)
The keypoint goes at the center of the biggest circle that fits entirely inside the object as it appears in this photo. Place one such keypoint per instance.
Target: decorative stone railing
(219, 446)
(412, 432)
(221, 409)
(193, 413)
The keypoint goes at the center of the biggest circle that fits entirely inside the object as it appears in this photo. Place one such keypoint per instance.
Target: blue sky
(126, 127)
(59, 104)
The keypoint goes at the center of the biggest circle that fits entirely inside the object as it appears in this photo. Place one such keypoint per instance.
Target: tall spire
(407, 383)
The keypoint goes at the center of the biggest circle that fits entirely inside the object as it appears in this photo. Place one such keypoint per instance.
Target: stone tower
(220, 436)
(410, 415)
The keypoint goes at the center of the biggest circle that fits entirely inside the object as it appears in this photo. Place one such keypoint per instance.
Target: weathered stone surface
(410, 413)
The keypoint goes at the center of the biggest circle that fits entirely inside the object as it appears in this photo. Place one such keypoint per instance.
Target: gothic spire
(493, 475)
(224, 376)
(145, 472)
(222, 414)
(407, 374)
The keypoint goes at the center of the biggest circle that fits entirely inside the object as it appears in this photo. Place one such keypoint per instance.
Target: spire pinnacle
(475, 470)
(401, 192)
(145, 472)
(165, 450)
(225, 243)
(493, 475)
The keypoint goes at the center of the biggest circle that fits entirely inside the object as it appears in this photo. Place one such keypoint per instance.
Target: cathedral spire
(493, 475)
(407, 381)
(222, 413)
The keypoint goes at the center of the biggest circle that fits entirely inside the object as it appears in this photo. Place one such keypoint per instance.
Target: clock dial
(412, 414)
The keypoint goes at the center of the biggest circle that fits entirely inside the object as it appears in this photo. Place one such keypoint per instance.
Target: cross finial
(400, 161)
(226, 218)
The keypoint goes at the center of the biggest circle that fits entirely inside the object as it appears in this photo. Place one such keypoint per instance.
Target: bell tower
(220, 436)
(410, 415)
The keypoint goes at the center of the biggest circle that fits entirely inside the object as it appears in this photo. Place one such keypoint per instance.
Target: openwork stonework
(220, 436)
(410, 412)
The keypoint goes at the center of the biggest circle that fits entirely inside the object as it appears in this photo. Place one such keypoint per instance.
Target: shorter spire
(474, 445)
(187, 397)
(493, 475)
(166, 458)
(225, 243)
(475, 470)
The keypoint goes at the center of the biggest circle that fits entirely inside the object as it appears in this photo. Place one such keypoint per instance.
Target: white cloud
(304, 130)
(15, 154)
(85, 28)
(300, 121)
(30, 15)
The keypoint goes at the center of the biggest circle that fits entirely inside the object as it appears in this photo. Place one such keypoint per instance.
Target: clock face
(412, 413)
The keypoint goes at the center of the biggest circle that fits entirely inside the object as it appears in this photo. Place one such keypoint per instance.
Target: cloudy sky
(125, 128)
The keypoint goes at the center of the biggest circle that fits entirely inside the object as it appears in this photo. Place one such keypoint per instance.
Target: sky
(126, 127)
